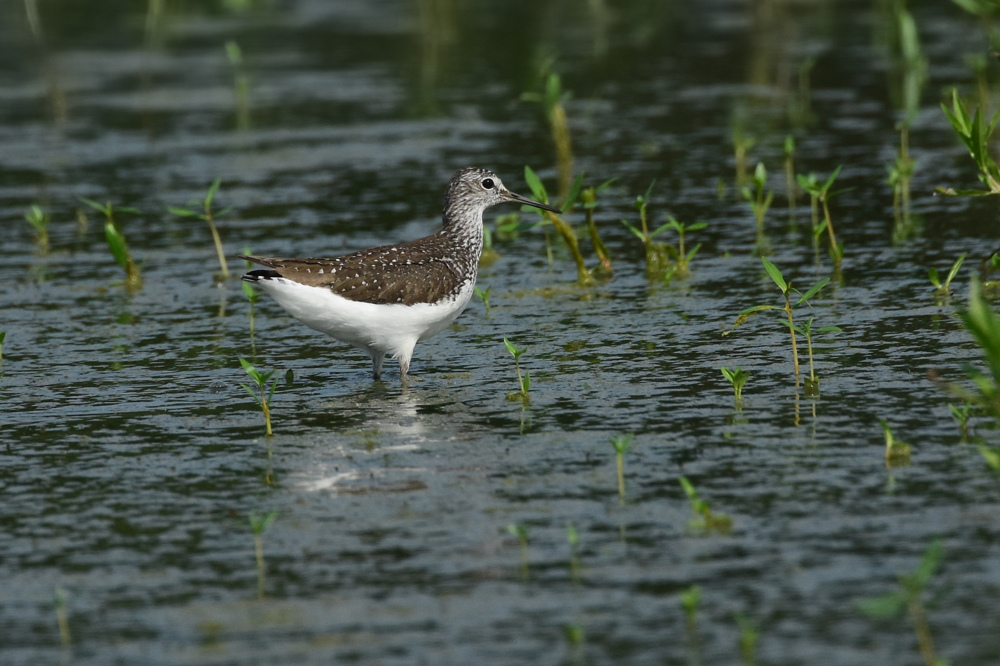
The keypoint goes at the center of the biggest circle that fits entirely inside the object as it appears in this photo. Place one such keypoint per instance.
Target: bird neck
(464, 225)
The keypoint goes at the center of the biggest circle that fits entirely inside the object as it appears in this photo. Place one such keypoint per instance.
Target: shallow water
(131, 456)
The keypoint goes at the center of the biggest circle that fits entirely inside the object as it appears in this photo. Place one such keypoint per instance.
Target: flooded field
(146, 517)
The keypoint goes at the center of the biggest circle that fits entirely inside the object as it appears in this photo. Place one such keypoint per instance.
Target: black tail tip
(260, 274)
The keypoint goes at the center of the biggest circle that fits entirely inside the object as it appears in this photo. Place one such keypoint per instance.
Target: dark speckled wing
(407, 274)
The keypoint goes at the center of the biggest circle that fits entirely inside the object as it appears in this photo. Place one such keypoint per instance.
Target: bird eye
(488, 183)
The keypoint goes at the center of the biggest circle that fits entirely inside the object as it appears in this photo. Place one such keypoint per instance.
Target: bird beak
(528, 202)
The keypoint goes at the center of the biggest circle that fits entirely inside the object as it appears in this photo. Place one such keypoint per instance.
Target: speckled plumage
(385, 299)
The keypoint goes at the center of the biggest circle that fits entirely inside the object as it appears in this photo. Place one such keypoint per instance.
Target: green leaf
(574, 193)
(116, 243)
(96, 206)
(829, 329)
(954, 268)
(688, 488)
(212, 189)
(775, 274)
(251, 392)
(812, 292)
(535, 184)
(932, 273)
(696, 226)
(605, 184)
(514, 351)
(126, 209)
(182, 212)
(887, 606)
(527, 382)
(634, 230)
(693, 252)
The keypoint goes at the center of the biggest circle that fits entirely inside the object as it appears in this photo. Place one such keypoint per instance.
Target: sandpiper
(386, 299)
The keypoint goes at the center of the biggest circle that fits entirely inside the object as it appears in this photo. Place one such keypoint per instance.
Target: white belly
(391, 329)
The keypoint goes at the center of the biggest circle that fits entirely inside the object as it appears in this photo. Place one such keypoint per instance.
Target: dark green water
(130, 456)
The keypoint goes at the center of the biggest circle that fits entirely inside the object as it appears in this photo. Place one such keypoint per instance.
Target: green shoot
(962, 415)
(520, 532)
(806, 331)
(574, 556)
(991, 456)
(3, 334)
(621, 445)
(908, 598)
(484, 294)
(583, 276)
(208, 217)
(897, 453)
(786, 291)
(821, 193)
(62, 617)
(551, 100)
(241, 85)
(900, 173)
(116, 241)
(524, 383)
(681, 256)
(975, 134)
(742, 143)
(588, 199)
(262, 395)
(944, 288)
(738, 378)
(690, 602)
(749, 636)
(984, 325)
(759, 197)
(790, 172)
(705, 520)
(258, 524)
(574, 634)
(39, 221)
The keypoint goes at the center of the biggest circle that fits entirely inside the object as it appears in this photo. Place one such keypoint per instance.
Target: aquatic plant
(573, 537)
(551, 99)
(944, 288)
(62, 618)
(962, 415)
(900, 172)
(524, 383)
(574, 634)
(583, 276)
(705, 520)
(690, 602)
(806, 331)
(520, 532)
(897, 452)
(991, 456)
(984, 325)
(975, 134)
(786, 291)
(742, 143)
(259, 523)
(209, 217)
(484, 294)
(3, 335)
(39, 221)
(116, 241)
(749, 637)
(759, 198)
(737, 378)
(681, 256)
(821, 193)
(662, 260)
(790, 185)
(262, 395)
(588, 201)
(908, 599)
(241, 85)
(621, 444)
